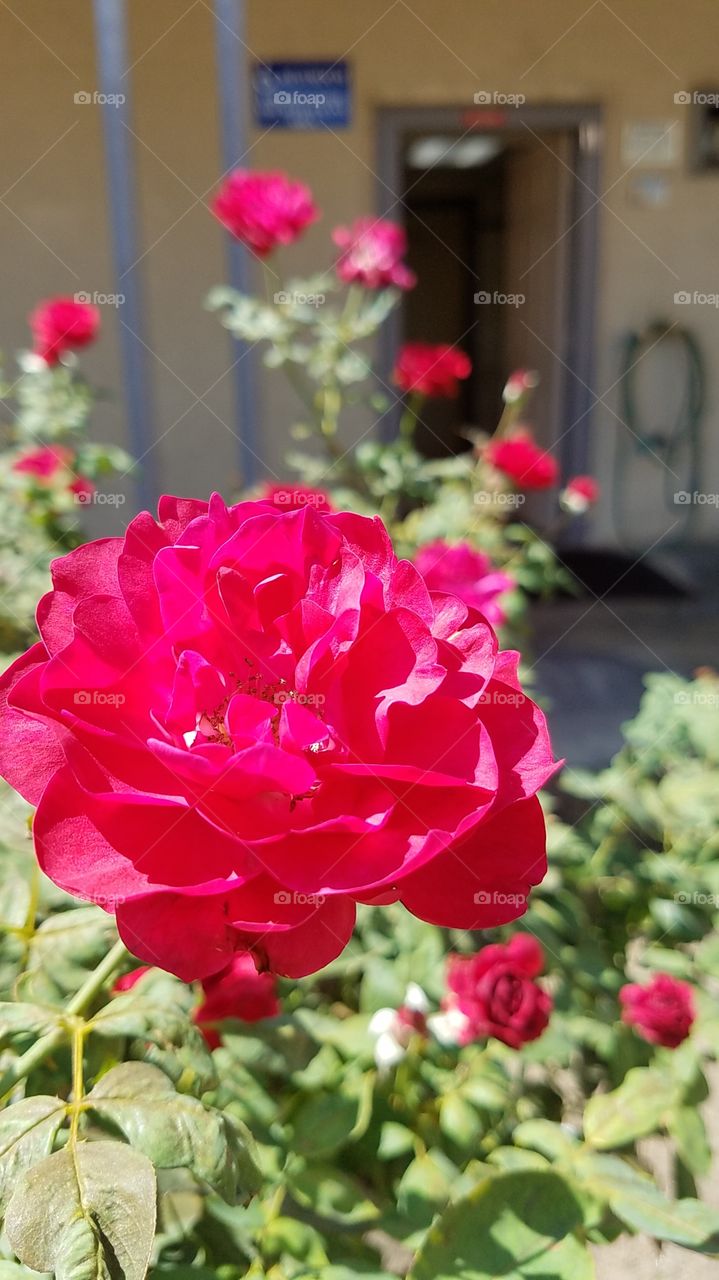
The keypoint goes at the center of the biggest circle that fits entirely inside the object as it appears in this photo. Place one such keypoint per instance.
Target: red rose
(292, 497)
(372, 253)
(44, 463)
(62, 324)
(264, 210)
(129, 980)
(527, 466)
(579, 494)
(431, 370)
(496, 993)
(239, 722)
(238, 992)
(662, 1012)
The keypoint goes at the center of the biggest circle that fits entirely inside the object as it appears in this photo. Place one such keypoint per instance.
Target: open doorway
(500, 213)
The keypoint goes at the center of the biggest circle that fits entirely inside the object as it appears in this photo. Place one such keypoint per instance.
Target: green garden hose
(673, 446)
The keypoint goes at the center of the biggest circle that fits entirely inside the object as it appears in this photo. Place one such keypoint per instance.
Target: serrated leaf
(85, 1213)
(174, 1130)
(516, 1225)
(27, 1133)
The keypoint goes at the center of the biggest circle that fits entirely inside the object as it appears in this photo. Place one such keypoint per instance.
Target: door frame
(576, 381)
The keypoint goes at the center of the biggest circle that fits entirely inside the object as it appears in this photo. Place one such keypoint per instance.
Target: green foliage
(288, 1153)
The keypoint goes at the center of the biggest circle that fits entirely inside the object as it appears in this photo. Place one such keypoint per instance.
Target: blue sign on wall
(302, 95)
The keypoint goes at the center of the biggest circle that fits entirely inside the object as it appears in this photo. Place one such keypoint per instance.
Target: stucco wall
(631, 57)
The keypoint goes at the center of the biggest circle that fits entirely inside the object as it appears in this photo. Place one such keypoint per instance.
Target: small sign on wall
(302, 95)
(651, 144)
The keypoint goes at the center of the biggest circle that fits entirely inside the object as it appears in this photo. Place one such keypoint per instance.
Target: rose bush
(241, 722)
(461, 571)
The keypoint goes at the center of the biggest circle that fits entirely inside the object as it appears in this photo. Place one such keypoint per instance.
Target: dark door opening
(500, 214)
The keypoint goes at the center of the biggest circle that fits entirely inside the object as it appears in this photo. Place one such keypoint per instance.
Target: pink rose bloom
(464, 572)
(372, 253)
(264, 210)
(292, 497)
(239, 992)
(662, 1012)
(579, 495)
(62, 324)
(44, 463)
(240, 722)
(431, 370)
(496, 993)
(519, 458)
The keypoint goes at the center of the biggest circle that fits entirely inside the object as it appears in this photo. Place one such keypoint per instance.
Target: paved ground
(589, 659)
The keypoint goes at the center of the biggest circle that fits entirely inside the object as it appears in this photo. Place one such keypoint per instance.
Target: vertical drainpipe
(113, 63)
(231, 52)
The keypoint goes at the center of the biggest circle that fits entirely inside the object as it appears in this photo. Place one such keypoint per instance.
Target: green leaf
(516, 1225)
(27, 1133)
(636, 1108)
(26, 1019)
(686, 1127)
(552, 1140)
(332, 1194)
(322, 1124)
(62, 952)
(85, 1213)
(643, 1207)
(174, 1130)
(425, 1187)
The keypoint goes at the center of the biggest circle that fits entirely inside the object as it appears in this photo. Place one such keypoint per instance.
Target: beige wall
(630, 57)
